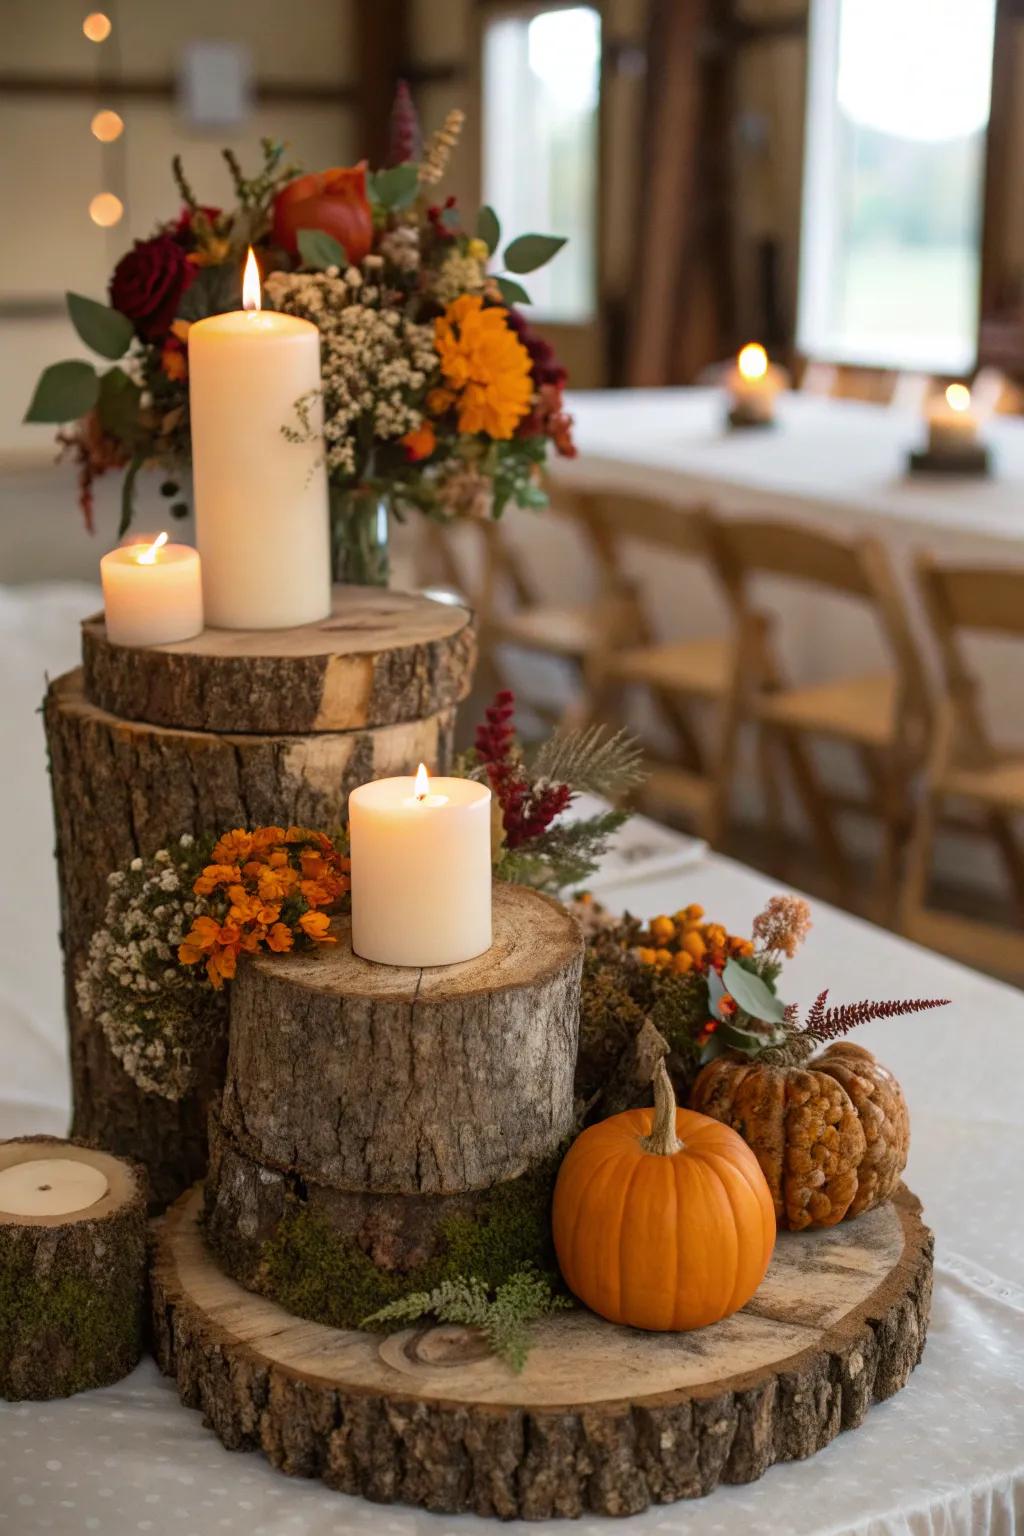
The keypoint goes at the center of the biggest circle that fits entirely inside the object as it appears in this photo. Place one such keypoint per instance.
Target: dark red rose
(334, 201)
(545, 366)
(148, 283)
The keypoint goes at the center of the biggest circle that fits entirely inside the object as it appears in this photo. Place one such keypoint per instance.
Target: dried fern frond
(504, 1320)
(830, 1023)
(591, 761)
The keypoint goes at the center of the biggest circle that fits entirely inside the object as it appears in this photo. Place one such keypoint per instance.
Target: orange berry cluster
(684, 943)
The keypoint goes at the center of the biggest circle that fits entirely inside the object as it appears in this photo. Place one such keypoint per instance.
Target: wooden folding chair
(965, 766)
(883, 715)
(512, 616)
(675, 674)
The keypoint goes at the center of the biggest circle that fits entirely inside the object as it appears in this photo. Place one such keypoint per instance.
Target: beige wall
(52, 165)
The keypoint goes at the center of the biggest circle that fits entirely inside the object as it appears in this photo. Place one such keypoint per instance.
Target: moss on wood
(313, 1272)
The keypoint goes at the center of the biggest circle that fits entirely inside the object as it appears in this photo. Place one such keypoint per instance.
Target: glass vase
(360, 519)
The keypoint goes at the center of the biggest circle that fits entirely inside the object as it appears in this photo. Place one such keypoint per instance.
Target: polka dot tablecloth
(942, 1458)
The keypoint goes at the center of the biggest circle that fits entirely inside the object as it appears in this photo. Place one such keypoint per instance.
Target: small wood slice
(396, 1080)
(603, 1420)
(379, 658)
(72, 1283)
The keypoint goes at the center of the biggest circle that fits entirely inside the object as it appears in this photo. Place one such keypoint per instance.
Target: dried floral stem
(829, 1023)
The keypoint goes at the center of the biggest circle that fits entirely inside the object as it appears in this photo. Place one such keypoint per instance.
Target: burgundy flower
(545, 365)
(404, 140)
(148, 283)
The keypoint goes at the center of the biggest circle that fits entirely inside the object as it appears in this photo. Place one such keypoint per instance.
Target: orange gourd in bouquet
(662, 1218)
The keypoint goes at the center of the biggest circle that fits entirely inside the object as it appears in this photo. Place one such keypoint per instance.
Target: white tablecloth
(944, 1456)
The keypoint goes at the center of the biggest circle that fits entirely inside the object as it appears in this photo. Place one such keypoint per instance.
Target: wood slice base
(379, 658)
(603, 1419)
(72, 1282)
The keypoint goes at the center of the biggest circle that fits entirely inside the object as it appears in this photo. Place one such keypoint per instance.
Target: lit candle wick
(421, 788)
(148, 556)
(252, 298)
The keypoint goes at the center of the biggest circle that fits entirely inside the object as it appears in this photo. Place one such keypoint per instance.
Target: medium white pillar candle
(51, 1186)
(952, 423)
(152, 593)
(421, 870)
(260, 499)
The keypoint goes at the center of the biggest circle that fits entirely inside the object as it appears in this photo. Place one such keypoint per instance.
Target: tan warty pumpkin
(662, 1218)
(831, 1136)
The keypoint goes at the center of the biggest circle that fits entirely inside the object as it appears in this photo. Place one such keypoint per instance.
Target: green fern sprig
(503, 1319)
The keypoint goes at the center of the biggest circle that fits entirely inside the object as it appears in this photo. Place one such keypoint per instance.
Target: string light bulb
(97, 27)
(107, 126)
(106, 210)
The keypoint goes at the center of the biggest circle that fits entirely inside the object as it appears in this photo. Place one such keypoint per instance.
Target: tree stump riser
(123, 789)
(401, 1081)
(440, 1450)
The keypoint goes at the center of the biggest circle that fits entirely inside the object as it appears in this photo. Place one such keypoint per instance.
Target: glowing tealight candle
(261, 499)
(952, 422)
(753, 385)
(152, 593)
(421, 870)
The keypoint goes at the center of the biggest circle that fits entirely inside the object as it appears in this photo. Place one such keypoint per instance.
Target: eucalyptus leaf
(488, 228)
(118, 404)
(213, 291)
(320, 250)
(528, 252)
(65, 392)
(128, 495)
(105, 330)
(740, 1039)
(752, 994)
(397, 187)
(512, 292)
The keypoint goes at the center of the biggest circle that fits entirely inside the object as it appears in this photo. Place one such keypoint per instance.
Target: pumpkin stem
(663, 1141)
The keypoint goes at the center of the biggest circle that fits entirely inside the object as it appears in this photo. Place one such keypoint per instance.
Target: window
(897, 109)
(541, 72)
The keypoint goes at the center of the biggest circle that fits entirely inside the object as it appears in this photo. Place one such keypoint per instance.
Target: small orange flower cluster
(685, 943)
(266, 887)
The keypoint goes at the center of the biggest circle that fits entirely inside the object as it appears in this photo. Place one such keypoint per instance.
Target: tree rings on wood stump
(395, 1080)
(379, 658)
(603, 1419)
(72, 1267)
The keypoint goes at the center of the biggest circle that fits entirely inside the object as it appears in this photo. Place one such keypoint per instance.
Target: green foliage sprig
(503, 1317)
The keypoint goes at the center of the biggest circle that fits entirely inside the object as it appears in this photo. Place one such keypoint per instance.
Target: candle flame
(148, 556)
(421, 788)
(753, 361)
(251, 292)
(958, 397)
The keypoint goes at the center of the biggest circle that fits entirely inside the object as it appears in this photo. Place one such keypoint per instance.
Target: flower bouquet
(437, 394)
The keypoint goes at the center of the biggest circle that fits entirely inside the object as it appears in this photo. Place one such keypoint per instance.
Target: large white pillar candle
(260, 499)
(152, 593)
(50, 1186)
(421, 870)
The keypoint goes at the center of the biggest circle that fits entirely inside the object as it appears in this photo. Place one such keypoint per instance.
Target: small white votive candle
(952, 423)
(421, 870)
(51, 1186)
(753, 384)
(152, 593)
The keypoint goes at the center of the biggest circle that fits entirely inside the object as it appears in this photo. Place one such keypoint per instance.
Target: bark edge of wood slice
(603, 1420)
(403, 1080)
(379, 658)
(75, 1282)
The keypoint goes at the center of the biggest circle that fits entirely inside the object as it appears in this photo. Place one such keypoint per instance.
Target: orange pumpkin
(662, 1218)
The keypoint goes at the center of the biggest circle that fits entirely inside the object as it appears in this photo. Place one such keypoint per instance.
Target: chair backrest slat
(791, 550)
(977, 597)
